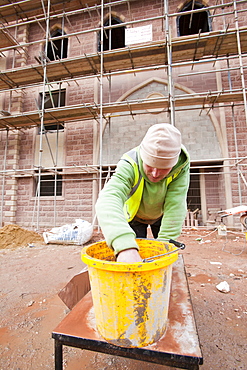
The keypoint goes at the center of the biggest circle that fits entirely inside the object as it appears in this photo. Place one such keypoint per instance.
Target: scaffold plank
(26, 9)
(212, 44)
(6, 40)
(87, 111)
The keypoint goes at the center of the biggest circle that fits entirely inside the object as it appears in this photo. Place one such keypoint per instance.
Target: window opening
(53, 99)
(193, 23)
(113, 38)
(57, 49)
(50, 185)
(107, 172)
(194, 193)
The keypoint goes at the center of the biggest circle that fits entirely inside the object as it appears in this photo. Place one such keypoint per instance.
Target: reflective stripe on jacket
(134, 198)
(132, 204)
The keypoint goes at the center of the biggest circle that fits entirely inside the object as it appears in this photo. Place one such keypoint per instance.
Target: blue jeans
(141, 229)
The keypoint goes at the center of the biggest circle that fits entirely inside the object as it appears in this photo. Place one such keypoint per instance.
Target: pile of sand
(13, 236)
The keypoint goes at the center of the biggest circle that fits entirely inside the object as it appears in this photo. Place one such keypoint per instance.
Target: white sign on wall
(138, 35)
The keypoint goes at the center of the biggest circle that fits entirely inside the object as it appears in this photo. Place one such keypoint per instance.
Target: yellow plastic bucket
(130, 300)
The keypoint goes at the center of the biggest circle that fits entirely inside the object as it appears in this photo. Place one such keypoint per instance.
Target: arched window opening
(193, 23)
(57, 49)
(113, 38)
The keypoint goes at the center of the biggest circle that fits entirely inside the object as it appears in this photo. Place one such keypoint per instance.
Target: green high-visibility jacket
(130, 193)
(132, 204)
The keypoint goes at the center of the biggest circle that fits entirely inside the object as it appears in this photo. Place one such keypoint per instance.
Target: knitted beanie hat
(161, 146)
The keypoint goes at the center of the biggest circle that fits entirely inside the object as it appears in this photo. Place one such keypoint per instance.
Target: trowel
(75, 289)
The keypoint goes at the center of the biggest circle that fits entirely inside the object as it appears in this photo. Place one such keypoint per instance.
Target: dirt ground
(32, 273)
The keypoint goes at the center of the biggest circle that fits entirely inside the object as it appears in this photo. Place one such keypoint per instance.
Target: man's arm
(129, 256)
(175, 206)
(109, 209)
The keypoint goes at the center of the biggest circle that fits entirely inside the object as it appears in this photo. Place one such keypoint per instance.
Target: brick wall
(198, 131)
(76, 199)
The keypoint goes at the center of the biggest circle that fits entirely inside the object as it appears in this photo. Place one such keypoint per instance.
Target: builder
(149, 187)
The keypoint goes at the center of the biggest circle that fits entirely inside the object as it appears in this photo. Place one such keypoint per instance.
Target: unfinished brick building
(82, 81)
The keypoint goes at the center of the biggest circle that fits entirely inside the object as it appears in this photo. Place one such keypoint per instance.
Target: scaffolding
(218, 52)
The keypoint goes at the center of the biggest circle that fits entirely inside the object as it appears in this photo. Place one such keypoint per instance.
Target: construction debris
(223, 287)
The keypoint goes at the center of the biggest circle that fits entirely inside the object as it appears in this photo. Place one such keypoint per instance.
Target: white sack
(77, 233)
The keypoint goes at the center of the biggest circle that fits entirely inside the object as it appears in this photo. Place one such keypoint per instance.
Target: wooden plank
(184, 48)
(31, 119)
(75, 112)
(189, 100)
(215, 43)
(25, 9)
(182, 101)
(6, 40)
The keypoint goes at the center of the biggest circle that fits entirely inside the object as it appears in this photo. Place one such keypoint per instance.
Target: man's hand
(129, 256)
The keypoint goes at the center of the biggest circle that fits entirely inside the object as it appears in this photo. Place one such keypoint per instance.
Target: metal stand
(179, 347)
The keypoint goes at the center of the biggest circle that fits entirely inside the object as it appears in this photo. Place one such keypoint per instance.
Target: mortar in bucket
(131, 300)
